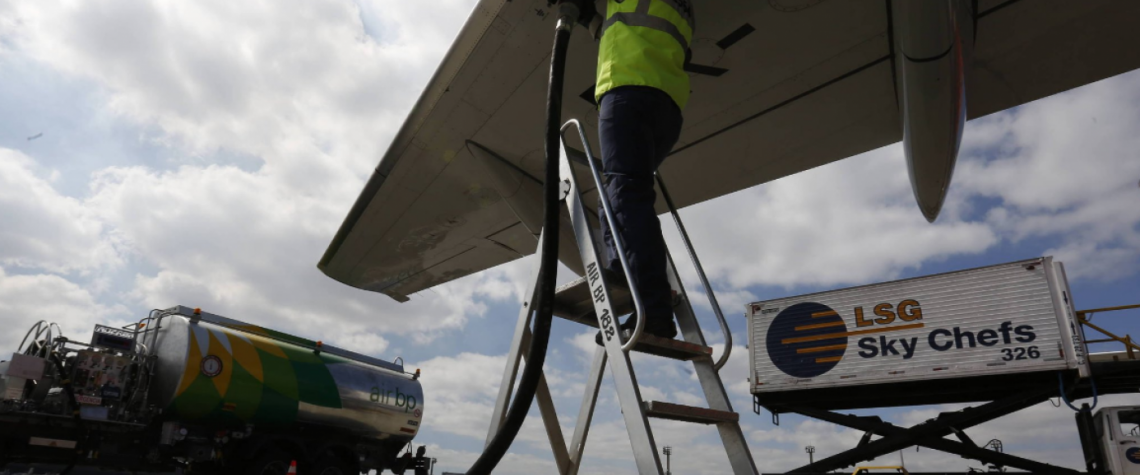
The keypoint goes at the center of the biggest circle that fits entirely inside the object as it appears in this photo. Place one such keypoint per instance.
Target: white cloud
(464, 389)
(245, 246)
(1066, 168)
(27, 299)
(849, 222)
(43, 229)
(734, 374)
(293, 83)
(300, 87)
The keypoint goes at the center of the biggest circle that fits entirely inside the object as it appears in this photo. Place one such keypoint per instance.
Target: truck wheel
(272, 462)
(330, 464)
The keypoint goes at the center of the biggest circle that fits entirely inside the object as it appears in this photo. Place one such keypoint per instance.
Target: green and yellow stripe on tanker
(259, 379)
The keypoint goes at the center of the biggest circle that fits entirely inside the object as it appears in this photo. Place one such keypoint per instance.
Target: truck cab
(1118, 429)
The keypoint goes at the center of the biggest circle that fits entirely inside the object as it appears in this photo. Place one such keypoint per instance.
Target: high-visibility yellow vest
(644, 44)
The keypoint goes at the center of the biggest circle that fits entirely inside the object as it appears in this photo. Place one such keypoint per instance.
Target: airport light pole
(811, 453)
(668, 451)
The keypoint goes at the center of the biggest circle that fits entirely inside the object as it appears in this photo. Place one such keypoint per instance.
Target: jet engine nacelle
(934, 42)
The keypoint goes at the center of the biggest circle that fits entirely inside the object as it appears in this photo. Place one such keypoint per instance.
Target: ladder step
(677, 412)
(670, 348)
(573, 301)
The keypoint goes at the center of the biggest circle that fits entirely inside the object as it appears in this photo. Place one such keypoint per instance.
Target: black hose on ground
(544, 298)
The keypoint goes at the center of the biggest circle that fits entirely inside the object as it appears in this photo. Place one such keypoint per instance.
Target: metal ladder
(589, 300)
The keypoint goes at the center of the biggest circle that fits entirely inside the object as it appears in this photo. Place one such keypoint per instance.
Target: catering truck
(941, 335)
(1007, 335)
(199, 392)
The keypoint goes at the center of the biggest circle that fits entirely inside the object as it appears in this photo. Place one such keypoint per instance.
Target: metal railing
(592, 164)
(639, 327)
(700, 273)
(1085, 317)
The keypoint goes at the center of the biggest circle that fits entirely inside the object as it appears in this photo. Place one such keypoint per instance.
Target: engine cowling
(934, 42)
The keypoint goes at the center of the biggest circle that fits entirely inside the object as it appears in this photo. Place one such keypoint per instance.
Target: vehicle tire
(330, 464)
(270, 462)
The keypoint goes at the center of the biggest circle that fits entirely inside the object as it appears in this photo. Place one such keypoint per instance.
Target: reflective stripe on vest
(641, 17)
(621, 58)
(647, 21)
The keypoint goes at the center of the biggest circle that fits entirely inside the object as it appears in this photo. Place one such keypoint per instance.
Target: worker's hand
(588, 10)
(589, 13)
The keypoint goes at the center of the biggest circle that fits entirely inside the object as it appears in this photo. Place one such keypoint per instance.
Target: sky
(204, 154)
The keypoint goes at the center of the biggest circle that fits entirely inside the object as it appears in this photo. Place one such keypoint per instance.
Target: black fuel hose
(548, 271)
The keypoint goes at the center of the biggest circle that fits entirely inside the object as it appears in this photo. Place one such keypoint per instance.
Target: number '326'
(1011, 354)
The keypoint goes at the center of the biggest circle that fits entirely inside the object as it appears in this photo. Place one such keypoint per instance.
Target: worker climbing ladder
(592, 301)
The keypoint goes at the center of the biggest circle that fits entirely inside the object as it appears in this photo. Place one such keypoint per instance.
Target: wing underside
(787, 85)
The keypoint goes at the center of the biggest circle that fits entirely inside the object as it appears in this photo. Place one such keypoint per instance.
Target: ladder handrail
(700, 273)
(635, 410)
(639, 327)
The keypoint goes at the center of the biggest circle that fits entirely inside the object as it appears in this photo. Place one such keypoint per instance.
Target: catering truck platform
(1007, 335)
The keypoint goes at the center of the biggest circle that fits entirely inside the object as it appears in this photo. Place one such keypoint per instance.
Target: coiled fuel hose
(544, 299)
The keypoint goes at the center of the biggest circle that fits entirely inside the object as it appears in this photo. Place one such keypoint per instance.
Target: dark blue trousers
(637, 127)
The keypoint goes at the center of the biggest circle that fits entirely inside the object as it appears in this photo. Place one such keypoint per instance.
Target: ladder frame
(634, 409)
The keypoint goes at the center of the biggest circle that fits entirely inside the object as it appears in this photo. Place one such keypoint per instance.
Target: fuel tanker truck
(189, 390)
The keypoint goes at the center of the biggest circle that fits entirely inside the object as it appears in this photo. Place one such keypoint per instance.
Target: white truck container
(1014, 318)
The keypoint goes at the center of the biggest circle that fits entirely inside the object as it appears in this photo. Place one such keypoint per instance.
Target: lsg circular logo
(1133, 455)
(807, 339)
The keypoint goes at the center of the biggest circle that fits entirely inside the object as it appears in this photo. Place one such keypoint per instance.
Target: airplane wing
(781, 86)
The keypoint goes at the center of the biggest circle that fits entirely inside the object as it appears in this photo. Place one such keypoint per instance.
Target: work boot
(615, 278)
(625, 330)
